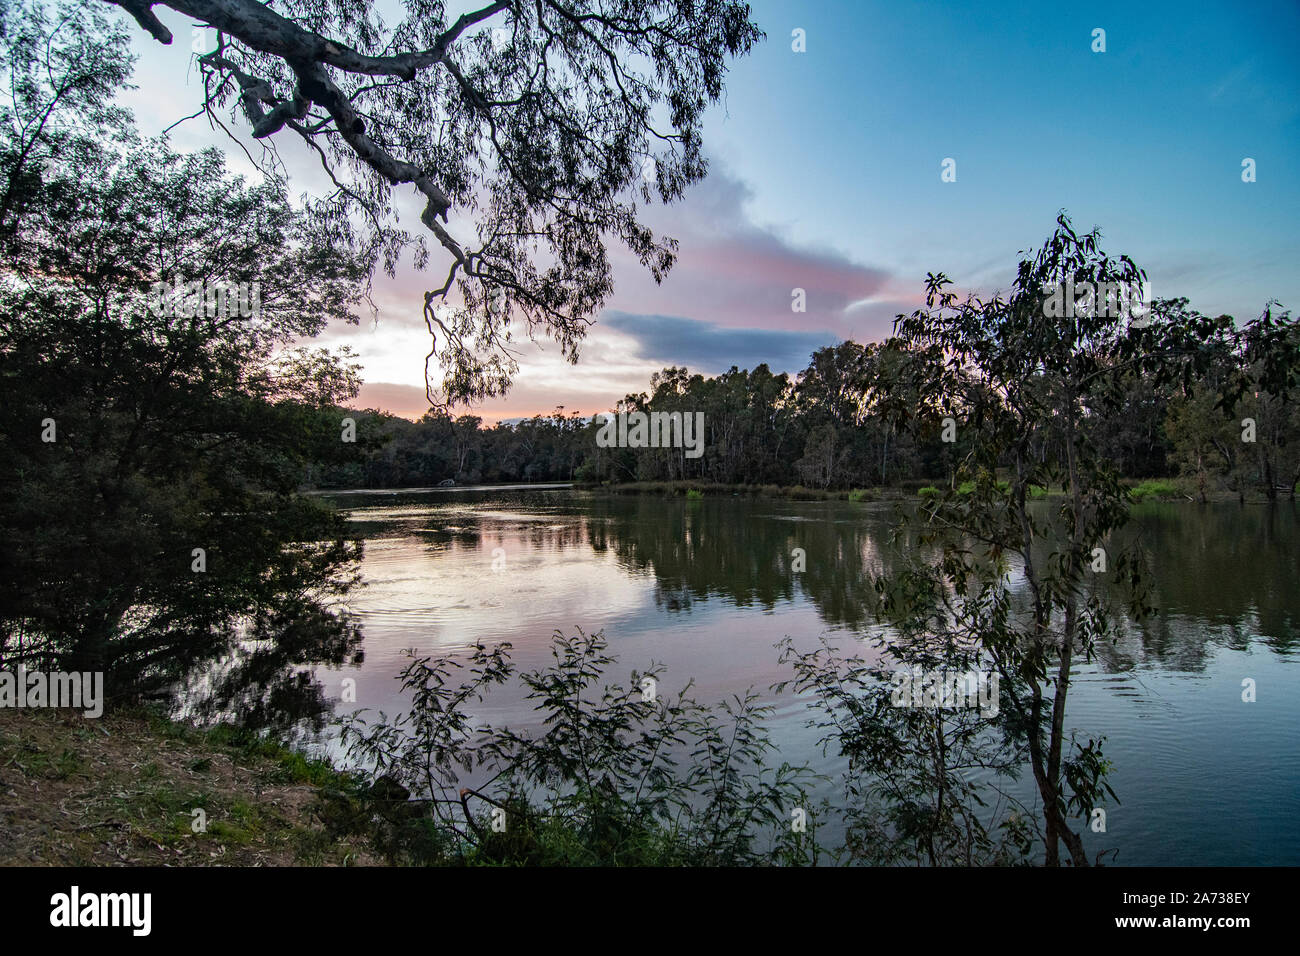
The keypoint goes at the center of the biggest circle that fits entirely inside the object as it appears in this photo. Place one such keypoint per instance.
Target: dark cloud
(710, 348)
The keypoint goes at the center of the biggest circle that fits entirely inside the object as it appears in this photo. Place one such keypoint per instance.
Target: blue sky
(843, 144)
(826, 176)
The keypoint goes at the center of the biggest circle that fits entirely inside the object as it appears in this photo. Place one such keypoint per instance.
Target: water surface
(707, 588)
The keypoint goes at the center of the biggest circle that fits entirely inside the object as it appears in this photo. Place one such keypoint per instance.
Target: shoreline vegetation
(157, 791)
(1148, 489)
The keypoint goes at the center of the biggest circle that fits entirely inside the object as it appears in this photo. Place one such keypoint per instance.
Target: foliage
(1153, 489)
(1029, 390)
(911, 794)
(762, 429)
(612, 776)
(133, 435)
(536, 124)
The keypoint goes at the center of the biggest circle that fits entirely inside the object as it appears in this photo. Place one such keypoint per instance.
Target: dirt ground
(123, 790)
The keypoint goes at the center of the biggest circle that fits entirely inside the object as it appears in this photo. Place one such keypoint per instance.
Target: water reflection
(708, 587)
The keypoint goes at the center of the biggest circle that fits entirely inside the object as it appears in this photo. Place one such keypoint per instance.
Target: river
(707, 589)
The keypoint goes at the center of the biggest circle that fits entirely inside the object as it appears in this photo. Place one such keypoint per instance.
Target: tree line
(832, 426)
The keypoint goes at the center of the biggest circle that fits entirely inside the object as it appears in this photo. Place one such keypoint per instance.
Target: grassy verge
(122, 790)
(1155, 489)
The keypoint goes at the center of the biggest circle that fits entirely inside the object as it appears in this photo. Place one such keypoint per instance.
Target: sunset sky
(826, 176)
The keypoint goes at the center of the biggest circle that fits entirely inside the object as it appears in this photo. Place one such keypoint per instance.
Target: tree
(1269, 352)
(535, 120)
(152, 445)
(1205, 441)
(1137, 441)
(840, 404)
(1028, 388)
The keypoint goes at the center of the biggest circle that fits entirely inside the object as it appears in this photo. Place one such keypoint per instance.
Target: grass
(124, 789)
(1152, 488)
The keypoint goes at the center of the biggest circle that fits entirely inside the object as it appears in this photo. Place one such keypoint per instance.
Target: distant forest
(821, 429)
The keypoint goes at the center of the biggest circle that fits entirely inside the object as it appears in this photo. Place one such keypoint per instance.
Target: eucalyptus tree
(1206, 442)
(527, 128)
(1036, 588)
(1274, 406)
(151, 456)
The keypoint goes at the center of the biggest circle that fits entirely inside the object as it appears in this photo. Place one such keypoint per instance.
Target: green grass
(291, 766)
(694, 494)
(1154, 489)
(37, 763)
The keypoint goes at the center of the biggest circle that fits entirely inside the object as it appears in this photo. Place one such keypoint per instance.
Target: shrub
(614, 777)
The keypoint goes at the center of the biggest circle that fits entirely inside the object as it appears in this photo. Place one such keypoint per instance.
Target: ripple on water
(1202, 777)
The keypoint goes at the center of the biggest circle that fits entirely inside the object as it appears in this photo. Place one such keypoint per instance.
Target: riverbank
(1146, 489)
(123, 790)
(136, 789)
(1170, 489)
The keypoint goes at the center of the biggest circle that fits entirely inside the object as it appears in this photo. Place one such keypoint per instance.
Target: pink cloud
(731, 273)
